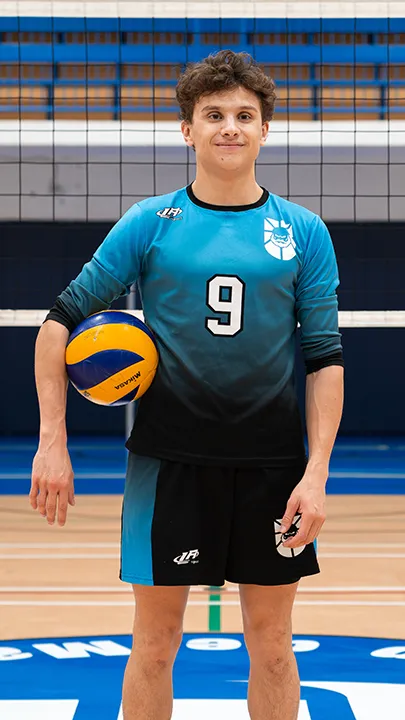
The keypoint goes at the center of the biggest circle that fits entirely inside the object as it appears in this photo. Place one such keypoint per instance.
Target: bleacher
(120, 68)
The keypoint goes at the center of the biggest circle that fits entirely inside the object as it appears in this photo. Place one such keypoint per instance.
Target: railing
(180, 54)
(114, 99)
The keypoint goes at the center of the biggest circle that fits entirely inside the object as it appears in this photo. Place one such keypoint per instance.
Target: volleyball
(111, 358)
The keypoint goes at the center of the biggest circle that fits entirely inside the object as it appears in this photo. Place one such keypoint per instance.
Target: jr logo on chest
(170, 213)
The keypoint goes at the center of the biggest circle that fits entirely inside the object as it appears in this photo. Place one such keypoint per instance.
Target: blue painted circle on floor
(342, 678)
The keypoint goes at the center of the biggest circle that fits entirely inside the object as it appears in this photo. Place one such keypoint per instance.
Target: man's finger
(290, 512)
(34, 493)
(71, 496)
(51, 501)
(301, 537)
(62, 506)
(314, 531)
(43, 492)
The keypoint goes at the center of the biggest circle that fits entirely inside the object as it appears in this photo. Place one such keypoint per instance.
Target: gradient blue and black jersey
(223, 289)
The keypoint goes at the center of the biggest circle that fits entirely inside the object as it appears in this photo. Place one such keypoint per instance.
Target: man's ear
(265, 132)
(186, 129)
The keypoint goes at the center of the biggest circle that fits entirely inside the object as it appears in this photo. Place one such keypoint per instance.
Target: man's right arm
(110, 273)
(52, 474)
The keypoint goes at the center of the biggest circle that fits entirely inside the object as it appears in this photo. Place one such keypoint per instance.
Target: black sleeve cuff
(315, 364)
(60, 313)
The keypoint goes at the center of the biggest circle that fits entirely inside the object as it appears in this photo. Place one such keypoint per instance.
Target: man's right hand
(52, 489)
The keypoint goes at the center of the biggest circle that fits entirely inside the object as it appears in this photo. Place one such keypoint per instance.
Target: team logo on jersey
(282, 537)
(170, 213)
(278, 239)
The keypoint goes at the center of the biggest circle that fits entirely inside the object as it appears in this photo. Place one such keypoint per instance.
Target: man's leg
(274, 687)
(158, 627)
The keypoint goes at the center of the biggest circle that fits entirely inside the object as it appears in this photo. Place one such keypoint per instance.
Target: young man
(218, 484)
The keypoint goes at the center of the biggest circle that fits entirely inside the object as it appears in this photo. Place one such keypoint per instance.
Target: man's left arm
(324, 403)
(317, 313)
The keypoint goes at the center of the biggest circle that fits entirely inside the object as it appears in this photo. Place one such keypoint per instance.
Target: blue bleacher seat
(64, 67)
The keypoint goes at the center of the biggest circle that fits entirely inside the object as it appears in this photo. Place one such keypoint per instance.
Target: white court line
(194, 603)
(373, 556)
(118, 589)
(369, 475)
(63, 546)
(350, 603)
(61, 556)
(38, 709)
(358, 545)
(115, 556)
(100, 546)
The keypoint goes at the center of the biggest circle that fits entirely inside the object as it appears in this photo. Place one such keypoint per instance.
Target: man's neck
(229, 191)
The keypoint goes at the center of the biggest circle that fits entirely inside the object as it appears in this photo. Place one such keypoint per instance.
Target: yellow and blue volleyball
(111, 358)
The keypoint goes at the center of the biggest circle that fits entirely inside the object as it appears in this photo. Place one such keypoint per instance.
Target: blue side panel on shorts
(137, 517)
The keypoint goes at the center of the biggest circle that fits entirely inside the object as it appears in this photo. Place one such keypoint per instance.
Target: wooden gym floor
(64, 581)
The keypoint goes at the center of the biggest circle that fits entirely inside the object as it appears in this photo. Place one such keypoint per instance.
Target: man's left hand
(308, 500)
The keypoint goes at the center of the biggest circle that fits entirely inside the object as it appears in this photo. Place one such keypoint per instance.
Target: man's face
(227, 130)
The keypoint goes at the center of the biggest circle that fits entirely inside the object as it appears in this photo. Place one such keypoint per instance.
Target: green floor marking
(214, 611)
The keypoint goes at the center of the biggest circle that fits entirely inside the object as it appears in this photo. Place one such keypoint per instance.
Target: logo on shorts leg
(281, 537)
(190, 556)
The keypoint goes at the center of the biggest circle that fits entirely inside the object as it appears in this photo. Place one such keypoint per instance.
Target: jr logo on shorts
(186, 557)
(281, 537)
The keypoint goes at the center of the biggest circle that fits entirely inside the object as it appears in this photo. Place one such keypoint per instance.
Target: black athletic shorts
(194, 525)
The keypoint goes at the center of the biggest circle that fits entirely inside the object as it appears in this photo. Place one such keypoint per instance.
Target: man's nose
(230, 127)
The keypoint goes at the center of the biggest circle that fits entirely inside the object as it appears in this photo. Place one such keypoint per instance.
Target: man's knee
(158, 626)
(271, 648)
(157, 649)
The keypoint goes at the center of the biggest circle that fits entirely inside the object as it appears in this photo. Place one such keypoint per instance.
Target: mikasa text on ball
(111, 358)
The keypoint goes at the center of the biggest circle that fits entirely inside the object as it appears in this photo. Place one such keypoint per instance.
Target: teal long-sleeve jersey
(223, 288)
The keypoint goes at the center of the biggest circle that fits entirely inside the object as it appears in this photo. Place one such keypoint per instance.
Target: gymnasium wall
(38, 259)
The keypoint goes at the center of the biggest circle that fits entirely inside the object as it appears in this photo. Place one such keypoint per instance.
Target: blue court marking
(359, 466)
(342, 678)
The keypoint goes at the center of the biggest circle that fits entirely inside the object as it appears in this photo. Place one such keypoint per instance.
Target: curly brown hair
(225, 70)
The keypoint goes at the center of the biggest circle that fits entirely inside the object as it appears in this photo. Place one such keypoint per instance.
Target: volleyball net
(89, 125)
(89, 120)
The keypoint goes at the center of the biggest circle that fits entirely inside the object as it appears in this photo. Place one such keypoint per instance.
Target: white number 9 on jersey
(226, 295)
